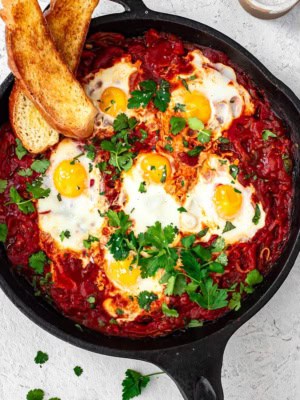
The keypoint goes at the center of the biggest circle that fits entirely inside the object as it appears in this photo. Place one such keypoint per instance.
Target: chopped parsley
(78, 371)
(41, 358)
(169, 312)
(181, 210)
(24, 205)
(179, 107)
(36, 190)
(202, 233)
(20, 149)
(160, 95)
(134, 383)
(164, 175)
(142, 187)
(119, 243)
(37, 262)
(195, 323)
(91, 151)
(234, 170)
(3, 232)
(169, 148)
(65, 235)
(266, 134)
(224, 140)
(87, 243)
(3, 185)
(254, 277)
(40, 166)
(228, 227)
(25, 172)
(287, 163)
(144, 134)
(177, 125)
(195, 151)
(211, 297)
(257, 215)
(204, 135)
(187, 241)
(145, 299)
(59, 197)
(35, 394)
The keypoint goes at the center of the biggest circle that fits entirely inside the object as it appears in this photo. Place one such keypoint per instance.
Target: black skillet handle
(196, 370)
(133, 6)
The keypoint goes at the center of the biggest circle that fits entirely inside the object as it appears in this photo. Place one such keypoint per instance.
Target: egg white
(79, 215)
(201, 211)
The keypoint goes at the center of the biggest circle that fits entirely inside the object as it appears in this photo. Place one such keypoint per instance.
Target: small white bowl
(268, 9)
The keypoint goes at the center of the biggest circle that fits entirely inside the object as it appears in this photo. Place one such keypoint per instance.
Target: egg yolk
(113, 101)
(227, 201)
(197, 105)
(70, 179)
(123, 274)
(156, 168)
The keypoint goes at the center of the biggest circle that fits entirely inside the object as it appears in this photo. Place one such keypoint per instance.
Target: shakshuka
(172, 212)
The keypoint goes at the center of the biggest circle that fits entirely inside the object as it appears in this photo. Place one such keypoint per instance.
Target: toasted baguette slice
(42, 74)
(68, 22)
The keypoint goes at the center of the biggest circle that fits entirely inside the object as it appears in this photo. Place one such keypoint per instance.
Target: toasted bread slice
(42, 74)
(68, 22)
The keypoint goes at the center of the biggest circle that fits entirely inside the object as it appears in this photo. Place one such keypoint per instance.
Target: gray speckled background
(262, 360)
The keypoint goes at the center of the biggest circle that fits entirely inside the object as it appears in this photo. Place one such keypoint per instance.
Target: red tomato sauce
(264, 164)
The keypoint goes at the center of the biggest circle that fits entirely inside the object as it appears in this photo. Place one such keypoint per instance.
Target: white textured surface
(262, 360)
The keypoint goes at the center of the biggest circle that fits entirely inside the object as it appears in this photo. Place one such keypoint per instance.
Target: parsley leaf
(20, 149)
(195, 323)
(179, 107)
(40, 166)
(228, 227)
(3, 185)
(133, 384)
(187, 241)
(218, 245)
(287, 163)
(3, 232)
(36, 190)
(149, 91)
(65, 235)
(25, 172)
(145, 299)
(195, 124)
(235, 301)
(78, 371)
(87, 243)
(142, 187)
(119, 243)
(181, 210)
(162, 98)
(26, 206)
(176, 284)
(35, 394)
(41, 358)
(195, 151)
(202, 233)
(91, 151)
(254, 277)
(120, 122)
(257, 215)
(169, 148)
(266, 134)
(177, 124)
(211, 297)
(223, 140)
(169, 312)
(234, 170)
(37, 261)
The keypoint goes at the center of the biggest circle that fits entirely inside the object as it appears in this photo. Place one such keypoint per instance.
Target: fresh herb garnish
(149, 91)
(164, 175)
(181, 209)
(145, 299)
(20, 149)
(26, 206)
(254, 277)
(234, 170)
(204, 135)
(257, 214)
(266, 134)
(36, 190)
(35, 394)
(211, 297)
(223, 139)
(91, 151)
(202, 233)
(169, 312)
(3, 232)
(87, 243)
(41, 358)
(169, 148)
(25, 172)
(78, 371)
(228, 227)
(65, 235)
(179, 107)
(177, 125)
(37, 262)
(287, 163)
(195, 151)
(3, 185)
(142, 187)
(195, 323)
(119, 243)
(134, 383)
(40, 166)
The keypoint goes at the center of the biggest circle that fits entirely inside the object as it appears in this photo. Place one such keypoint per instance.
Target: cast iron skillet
(192, 358)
